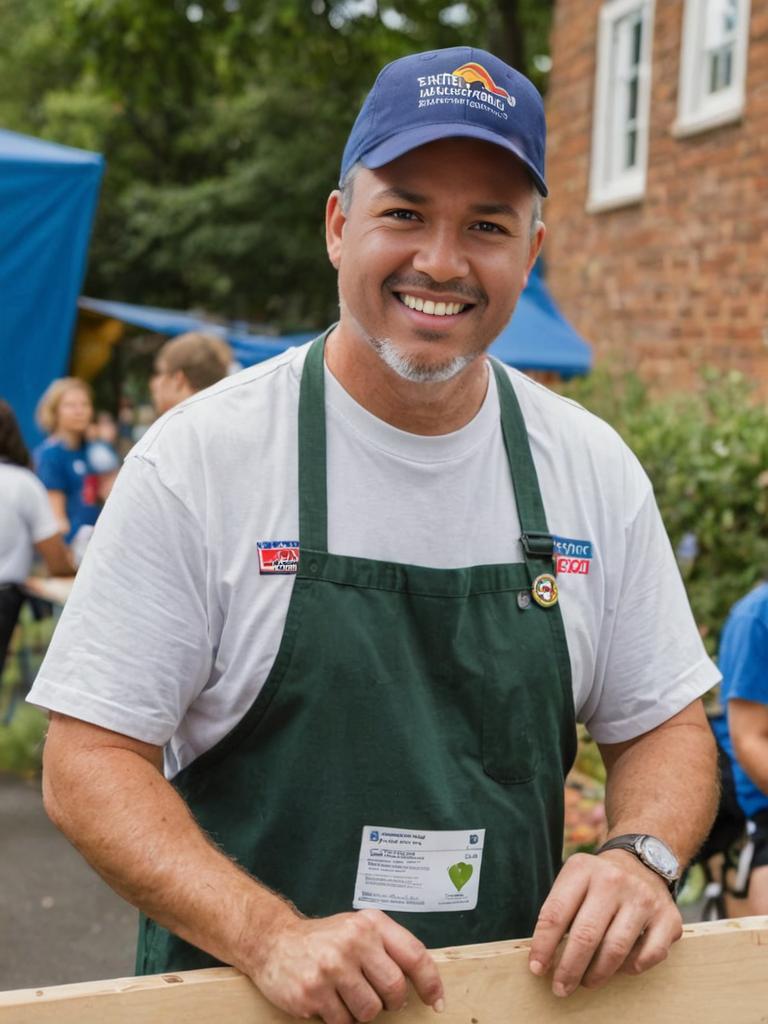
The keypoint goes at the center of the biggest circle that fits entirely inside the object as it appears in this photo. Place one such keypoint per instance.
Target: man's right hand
(344, 968)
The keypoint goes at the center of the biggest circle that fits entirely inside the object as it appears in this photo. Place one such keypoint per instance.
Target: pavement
(59, 922)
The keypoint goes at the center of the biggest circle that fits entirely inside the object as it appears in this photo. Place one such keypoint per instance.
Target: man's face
(433, 253)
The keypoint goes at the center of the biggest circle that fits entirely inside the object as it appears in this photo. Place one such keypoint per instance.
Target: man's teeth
(433, 308)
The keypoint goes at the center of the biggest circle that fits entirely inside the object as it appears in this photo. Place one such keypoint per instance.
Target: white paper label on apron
(402, 869)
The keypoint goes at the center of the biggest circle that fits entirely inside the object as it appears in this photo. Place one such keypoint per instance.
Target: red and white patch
(574, 566)
(278, 556)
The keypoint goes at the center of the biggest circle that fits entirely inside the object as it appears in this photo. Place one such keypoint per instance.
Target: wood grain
(716, 974)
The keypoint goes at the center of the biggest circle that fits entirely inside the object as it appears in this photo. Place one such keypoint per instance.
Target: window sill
(705, 122)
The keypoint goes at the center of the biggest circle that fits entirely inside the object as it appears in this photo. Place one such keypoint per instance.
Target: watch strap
(631, 843)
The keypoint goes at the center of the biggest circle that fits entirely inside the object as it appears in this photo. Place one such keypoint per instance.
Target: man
(743, 730)
(185, 365)
(342, 627)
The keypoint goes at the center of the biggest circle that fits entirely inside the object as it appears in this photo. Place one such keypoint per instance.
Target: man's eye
(488, 226)
(402, 214)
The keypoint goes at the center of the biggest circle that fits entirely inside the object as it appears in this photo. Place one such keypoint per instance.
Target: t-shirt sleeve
(52, 470)
(653, 661)
(132, 649)
(37, 510)
(746, 666)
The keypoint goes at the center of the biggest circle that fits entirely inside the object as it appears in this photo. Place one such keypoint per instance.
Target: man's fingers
(623, 934)
(653, 946)
(557, 913)
(360, 998)
(331, 1009)
(585, 936)
(387, 980)
(413, 958)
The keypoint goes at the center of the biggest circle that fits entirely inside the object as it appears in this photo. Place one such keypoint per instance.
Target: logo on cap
(476, 74)
(469, 84)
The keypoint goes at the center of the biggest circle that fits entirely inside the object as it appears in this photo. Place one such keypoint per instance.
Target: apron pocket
(509, 748)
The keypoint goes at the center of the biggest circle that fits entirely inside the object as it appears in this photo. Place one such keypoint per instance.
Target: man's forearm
(136, 831)
(664, 782)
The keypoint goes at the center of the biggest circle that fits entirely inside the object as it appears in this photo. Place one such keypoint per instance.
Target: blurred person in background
(743, 661)
(27, 524)
(77, 474)
(185, 365)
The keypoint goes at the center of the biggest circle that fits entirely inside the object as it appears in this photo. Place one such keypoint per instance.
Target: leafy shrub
(706, 454)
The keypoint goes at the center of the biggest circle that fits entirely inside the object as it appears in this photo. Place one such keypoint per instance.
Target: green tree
(223, 123)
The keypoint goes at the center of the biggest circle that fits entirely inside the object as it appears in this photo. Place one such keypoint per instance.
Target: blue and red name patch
(572, 556)
(278, 556)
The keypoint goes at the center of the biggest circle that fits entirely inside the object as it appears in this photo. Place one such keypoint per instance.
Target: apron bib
(401, 697)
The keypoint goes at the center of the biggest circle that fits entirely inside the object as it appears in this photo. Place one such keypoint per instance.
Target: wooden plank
(716, 974)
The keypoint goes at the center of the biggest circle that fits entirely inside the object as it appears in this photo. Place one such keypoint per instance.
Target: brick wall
(677, 281)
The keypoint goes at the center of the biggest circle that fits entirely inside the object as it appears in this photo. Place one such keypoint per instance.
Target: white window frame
(698, 110)
(608, 187)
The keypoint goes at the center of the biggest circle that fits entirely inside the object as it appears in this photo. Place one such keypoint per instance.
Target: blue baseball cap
(459, 92)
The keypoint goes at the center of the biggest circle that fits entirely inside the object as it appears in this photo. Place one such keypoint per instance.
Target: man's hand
(619, 916)
(344, 968)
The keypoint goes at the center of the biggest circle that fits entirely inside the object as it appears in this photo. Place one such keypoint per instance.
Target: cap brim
(412, 138)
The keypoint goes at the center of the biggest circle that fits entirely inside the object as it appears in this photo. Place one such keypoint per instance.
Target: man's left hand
(619, 916)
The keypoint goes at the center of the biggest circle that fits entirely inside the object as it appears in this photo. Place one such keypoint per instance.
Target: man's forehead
(481, 173)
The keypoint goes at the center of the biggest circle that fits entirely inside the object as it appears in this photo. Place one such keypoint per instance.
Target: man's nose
(440, 255)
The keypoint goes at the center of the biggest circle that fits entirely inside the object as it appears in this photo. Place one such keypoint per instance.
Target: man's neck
(428, 408)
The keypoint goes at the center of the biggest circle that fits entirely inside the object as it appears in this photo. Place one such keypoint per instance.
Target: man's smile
(431, 307)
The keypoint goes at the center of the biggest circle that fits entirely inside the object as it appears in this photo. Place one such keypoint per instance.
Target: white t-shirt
(26, 517)
(171, 629)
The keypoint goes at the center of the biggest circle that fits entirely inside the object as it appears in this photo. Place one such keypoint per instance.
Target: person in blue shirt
(76, 474)
(743, 661)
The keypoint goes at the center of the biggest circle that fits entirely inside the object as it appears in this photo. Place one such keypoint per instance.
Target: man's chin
(421, 369)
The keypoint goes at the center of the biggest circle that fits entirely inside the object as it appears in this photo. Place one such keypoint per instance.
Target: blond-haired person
(185, 365)
(77, 474)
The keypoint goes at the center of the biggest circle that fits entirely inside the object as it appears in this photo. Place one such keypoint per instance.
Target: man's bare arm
(618, 913)
(107, 793)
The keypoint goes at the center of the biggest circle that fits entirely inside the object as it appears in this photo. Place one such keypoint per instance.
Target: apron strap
(536, 540)
(313, 502)
(535, 537)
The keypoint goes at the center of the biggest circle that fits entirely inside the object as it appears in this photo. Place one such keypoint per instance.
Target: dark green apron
(401, 697)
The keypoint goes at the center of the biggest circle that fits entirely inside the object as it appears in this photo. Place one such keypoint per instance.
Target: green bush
(707, 456)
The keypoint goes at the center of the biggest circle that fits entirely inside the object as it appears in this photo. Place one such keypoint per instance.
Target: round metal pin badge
(544, 590)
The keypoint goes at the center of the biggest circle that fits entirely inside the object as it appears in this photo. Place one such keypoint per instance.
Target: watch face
(659, 856)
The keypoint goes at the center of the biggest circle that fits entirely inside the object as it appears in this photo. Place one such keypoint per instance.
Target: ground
(59, 922)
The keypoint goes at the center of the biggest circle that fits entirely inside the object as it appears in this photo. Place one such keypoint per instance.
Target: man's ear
(334, 227)
(536, 243)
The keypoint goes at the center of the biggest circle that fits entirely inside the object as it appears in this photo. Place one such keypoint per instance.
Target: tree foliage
(223, 123)
(706, 455)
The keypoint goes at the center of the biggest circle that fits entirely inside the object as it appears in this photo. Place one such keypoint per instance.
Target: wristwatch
(654, 853)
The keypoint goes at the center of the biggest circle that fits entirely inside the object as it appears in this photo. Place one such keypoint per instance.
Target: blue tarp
(537, 337)
(248, 348)
(48, 196)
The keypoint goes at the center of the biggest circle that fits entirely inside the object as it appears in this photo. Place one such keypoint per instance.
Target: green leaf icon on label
(460, 874)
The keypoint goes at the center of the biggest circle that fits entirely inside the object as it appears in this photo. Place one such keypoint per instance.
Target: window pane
(632, 99)
(630, 158)
(720, 25)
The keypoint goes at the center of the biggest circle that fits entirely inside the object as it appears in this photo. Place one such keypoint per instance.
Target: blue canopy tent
(537, 337)
(48, 196)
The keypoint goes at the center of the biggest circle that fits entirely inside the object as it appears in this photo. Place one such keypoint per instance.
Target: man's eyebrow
(403, 194)
(416, 199)
(495, 210)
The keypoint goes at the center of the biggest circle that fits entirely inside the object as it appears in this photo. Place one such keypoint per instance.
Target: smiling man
(321, 719)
